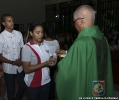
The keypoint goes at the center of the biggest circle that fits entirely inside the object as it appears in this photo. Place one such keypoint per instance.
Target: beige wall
(25, 11)
(48, 2)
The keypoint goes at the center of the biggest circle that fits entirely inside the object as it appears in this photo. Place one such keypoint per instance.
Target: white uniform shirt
(41, 76)
(10, 46)
(54, 45)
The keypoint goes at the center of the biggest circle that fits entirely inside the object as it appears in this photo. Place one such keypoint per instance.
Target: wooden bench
(115, 70)
(115, 66)
(115, 56)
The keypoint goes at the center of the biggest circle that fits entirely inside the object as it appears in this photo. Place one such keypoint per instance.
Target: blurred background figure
(112, 45)
(115, 38)
(114, 31)
(102, 30)
(54, 45)
(61, 40)
(68, 42)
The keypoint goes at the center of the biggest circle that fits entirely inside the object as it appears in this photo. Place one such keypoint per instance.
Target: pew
(115, 56)
(115, 71)
(115, 65)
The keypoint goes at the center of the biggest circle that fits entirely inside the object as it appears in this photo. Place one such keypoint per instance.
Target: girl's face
(37, 34)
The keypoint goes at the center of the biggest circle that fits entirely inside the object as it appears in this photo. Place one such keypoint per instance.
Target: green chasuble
(86, 70)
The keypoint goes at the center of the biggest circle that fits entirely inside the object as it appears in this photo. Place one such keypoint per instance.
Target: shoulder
(26, 50)
(45, 41)
(26, 47)
(84, 41)
(2, 33)
(55, 41)
(45, 44)
(17, 32)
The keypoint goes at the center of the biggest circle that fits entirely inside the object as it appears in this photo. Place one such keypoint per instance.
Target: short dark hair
(33, 25)
(4, 16)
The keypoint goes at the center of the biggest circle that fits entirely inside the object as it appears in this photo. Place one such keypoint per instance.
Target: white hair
(85, 11)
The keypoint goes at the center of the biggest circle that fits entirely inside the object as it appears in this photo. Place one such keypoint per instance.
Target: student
(36, 58)
(11, 43)
(54, 45)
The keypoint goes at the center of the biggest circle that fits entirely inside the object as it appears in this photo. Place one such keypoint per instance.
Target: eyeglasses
(73, 23)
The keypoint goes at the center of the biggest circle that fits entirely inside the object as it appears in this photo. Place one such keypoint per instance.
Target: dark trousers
(10, 83)
(38, 93)
(52, 83)
(52, 89)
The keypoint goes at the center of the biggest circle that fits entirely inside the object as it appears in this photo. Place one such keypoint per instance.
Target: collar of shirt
(32, 43)
(9, 34)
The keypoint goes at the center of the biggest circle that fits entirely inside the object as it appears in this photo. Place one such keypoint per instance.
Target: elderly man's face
(78, 23)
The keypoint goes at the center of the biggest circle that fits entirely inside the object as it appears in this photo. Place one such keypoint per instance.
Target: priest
(85, 72)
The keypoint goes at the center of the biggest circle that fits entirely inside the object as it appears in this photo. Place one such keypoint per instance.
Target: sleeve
(21, 40)
(57, 44)
(1, 44)
(75, 56)
(26, 54)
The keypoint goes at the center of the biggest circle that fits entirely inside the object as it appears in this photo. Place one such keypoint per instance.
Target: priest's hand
(61, 53)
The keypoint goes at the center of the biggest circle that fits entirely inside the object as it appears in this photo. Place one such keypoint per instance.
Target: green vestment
(88, 60)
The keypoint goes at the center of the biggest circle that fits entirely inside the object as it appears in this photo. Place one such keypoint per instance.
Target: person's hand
(52, 62)
(17, 62)
(61, 53)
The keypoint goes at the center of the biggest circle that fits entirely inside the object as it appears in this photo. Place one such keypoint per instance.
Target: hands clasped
(52, 62)
(17, 62)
